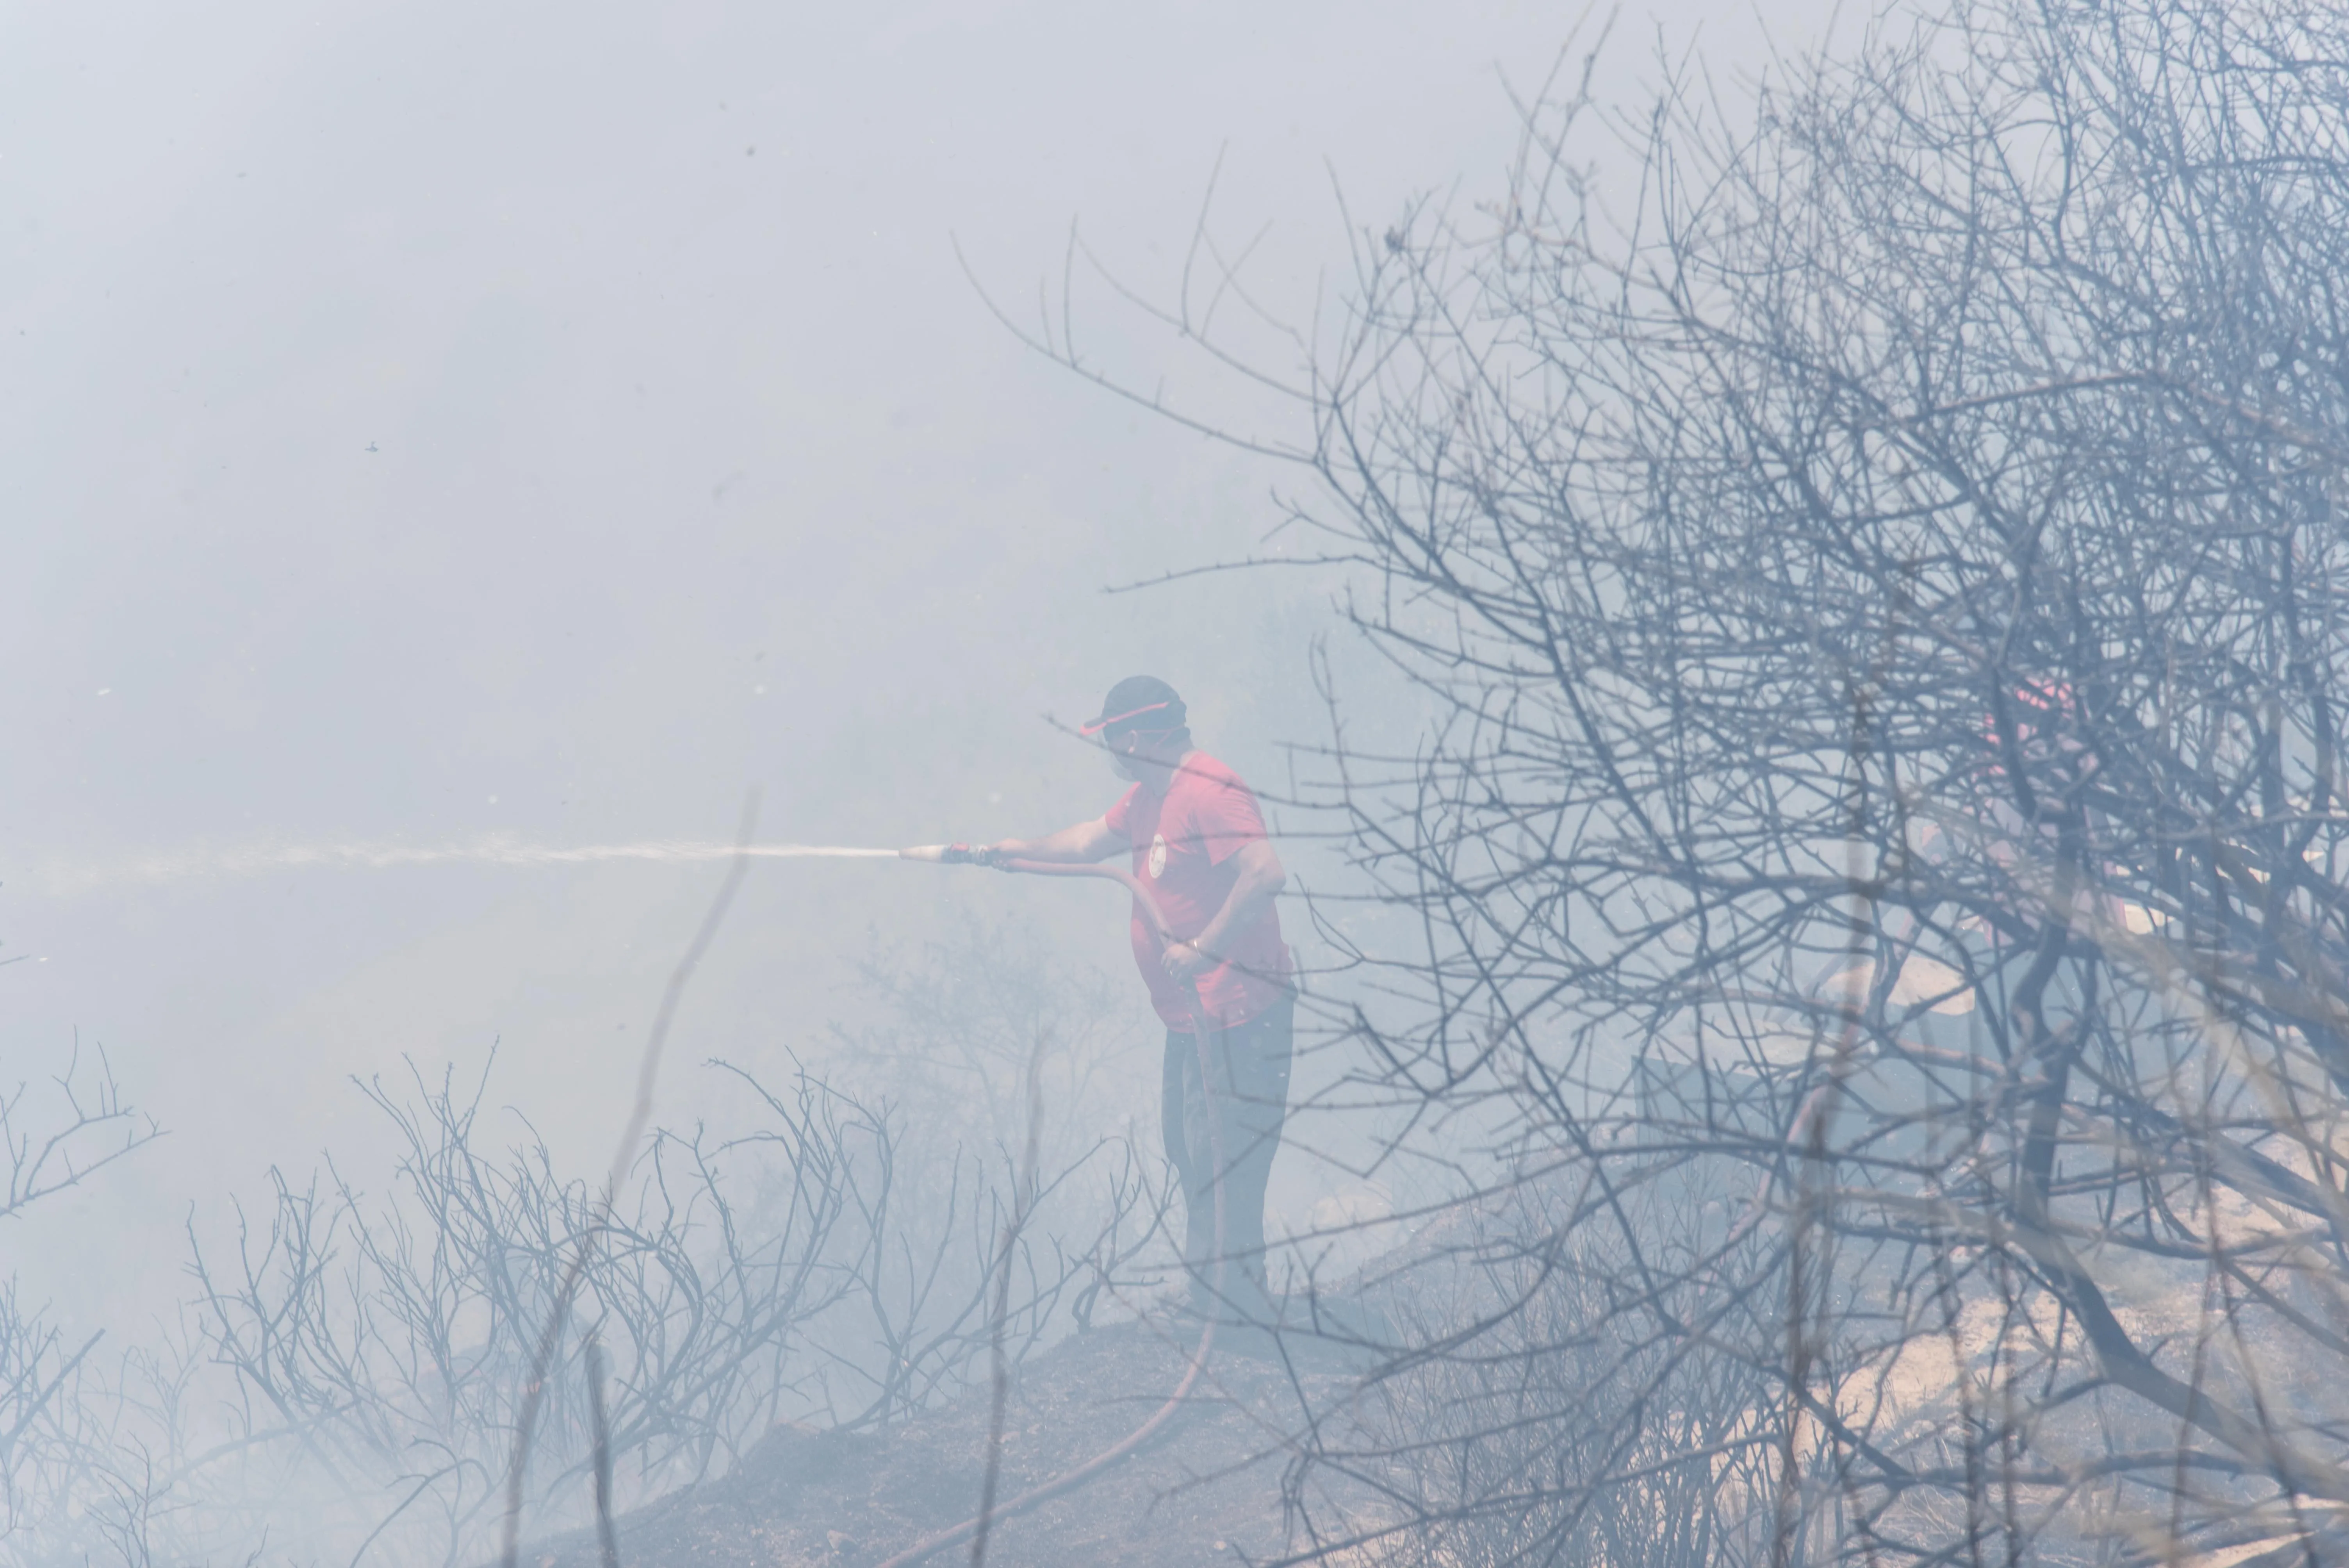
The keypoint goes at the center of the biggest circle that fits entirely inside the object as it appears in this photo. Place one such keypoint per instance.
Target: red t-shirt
(1183, 849)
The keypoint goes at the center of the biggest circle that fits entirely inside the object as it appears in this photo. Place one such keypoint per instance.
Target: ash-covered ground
(1208, 1488)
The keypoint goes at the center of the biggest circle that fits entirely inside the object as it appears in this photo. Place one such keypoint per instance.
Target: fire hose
(1070, 1480)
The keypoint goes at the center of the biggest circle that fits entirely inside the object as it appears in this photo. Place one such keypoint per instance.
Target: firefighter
(1197, 841)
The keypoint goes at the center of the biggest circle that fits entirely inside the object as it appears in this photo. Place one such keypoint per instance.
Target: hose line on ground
(1070, 1480)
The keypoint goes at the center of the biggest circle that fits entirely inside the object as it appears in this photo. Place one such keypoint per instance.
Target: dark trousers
(1242, 1111)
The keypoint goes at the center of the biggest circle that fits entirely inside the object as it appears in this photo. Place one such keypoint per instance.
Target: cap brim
(1097, 726)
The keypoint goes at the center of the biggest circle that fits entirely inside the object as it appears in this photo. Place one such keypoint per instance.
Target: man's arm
(1261, 878)
(1080, 845)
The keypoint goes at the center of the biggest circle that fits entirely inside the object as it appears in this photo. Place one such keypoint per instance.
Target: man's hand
(1259, 880)
(1185, 961)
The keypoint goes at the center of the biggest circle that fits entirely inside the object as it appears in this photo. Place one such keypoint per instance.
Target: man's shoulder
(1201, 770)
(1121, 812)
(1206, 782)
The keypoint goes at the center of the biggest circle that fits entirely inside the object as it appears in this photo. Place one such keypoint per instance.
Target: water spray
(362, 855)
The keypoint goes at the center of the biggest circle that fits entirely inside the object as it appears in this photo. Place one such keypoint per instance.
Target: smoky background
(426, 425)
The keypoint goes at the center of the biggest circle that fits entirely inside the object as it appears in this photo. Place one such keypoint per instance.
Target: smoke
(211, 861)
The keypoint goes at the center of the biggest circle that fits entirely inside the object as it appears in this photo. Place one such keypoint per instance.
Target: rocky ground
(1206, 1489)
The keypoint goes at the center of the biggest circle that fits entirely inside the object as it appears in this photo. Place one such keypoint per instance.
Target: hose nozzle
(946, 854)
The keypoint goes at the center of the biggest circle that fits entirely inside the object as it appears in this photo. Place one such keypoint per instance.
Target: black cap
(1142, 702)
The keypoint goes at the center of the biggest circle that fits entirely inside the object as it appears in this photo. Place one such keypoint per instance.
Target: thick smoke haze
(432, 425)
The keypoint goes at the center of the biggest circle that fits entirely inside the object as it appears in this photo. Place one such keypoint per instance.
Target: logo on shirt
(1157, 856)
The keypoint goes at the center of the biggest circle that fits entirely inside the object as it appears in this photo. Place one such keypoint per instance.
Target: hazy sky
(428, 421)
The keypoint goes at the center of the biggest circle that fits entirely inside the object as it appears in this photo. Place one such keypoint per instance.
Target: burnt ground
(1206, 1489)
